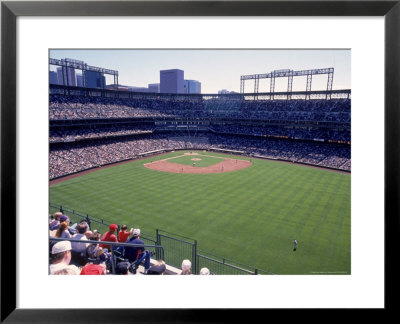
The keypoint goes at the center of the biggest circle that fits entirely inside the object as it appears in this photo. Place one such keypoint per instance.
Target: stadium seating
(306, 131)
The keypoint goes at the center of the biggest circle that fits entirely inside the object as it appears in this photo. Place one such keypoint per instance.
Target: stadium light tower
(68, 63)
(290, 74)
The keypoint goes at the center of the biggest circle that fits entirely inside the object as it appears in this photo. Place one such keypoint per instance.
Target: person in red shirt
(123, 235)
(109, 237)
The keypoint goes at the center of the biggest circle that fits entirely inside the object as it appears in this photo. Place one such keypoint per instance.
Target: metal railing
(177, 249)
(220, 265)
(174, 248)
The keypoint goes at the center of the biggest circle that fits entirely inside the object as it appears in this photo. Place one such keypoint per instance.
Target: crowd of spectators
(90, 258)
(321, 154)
(327, 134)
(114, 143)
(286, 132)
(77, 107)
(70, 158)
(77, 134)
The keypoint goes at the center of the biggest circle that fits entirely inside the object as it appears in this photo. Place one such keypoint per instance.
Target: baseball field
(247, 210)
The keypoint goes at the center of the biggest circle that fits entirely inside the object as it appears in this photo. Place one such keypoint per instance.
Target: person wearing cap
(109, 237)
(135, 253)
(61, 257)
(204, 271)
(186, 267)
(294, 245)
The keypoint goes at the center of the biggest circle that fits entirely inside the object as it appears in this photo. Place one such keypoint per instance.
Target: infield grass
(201, 160)
(251, 216)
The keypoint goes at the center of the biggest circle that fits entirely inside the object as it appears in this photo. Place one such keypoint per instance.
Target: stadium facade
(154, 87)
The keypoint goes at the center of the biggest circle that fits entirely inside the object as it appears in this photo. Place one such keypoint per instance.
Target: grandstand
(90, 128)
(108, 129)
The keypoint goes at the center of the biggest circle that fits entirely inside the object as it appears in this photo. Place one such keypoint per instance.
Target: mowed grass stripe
(250, 216)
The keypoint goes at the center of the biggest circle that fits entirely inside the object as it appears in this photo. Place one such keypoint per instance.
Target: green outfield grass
(250, 216)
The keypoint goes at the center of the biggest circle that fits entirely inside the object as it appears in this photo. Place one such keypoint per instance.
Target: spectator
(122, 268)
(61, 257)
(85, 223)
(65, 271)
(95, 236)
(62, 231)
(94, 269)
(204, 271)
(123, 235)
(109, 237)
(79, 249)
(94, 252)
(137, 253)
(65, 218)
(88, 234)
(157, 268)
(56, 221)
(186, 267)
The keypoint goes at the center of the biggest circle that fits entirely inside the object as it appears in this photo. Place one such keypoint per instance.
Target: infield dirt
(227, 165)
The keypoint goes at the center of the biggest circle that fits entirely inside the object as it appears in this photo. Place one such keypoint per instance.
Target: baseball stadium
(230, 183)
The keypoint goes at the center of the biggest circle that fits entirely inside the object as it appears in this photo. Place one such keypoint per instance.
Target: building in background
(53, 77)
(66, 78)
(94, 79)
(154, 87)
(192, 86)
(172, 81)
(224, 91)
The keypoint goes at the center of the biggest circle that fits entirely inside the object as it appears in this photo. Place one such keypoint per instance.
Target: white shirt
(59, 266)
(79, 247)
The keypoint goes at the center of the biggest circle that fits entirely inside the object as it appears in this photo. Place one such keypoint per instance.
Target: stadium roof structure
(287, 73)
(76, 64)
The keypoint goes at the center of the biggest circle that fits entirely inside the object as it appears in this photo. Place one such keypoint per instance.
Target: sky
(216, 69)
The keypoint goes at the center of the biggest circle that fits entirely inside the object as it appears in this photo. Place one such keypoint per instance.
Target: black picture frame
(10, 10)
